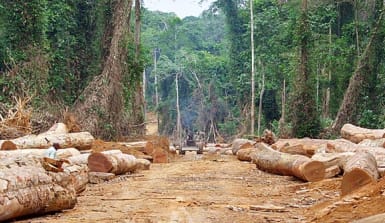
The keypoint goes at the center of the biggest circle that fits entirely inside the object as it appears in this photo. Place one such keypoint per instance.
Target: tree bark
(357, 134)
(26, 188)
(267, 159)
(252, 109)
(100, 107)
(360, 170)
(79, 175)
(373, 142)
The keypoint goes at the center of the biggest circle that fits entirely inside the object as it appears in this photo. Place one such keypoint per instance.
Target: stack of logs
(28, 187)
(359, 156)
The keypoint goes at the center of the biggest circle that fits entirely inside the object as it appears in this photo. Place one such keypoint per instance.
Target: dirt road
(192, 189)
(198, 188)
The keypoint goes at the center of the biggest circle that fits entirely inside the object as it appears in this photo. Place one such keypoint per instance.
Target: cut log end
(355, 179)
(314, 171)
(8, 145)
(98, 162)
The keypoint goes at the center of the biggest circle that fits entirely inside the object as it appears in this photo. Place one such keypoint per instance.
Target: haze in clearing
(182, 8)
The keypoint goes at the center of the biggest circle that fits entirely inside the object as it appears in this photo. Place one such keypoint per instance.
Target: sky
(181, 8)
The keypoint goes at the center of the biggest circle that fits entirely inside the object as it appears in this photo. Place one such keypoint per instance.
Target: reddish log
(117, 163)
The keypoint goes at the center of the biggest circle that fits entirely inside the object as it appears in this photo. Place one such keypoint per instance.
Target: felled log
(79, 159)
(270, 160)
(111, 162)
(332, 171)
(373, 142)
(66, 153)
(20, 153)
(159, 150)
(99, 177)
(357, 134)
(303, 146)
(79, 140)
(238, 144)
(136, 149)
(360, 170)
(245, 154)
(341, 145)
(57, 128)
(333, 159)
(298, 150)
(142, 164)
(79, 175)
(268, 137)
(379, 218)
(26, 188)
(7, 145)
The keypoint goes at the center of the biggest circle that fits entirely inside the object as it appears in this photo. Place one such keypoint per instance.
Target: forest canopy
(318, 65)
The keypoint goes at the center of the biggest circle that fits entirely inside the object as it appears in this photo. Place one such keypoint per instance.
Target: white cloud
(181, 8)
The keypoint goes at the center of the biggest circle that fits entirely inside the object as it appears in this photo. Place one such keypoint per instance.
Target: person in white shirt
(51, 151)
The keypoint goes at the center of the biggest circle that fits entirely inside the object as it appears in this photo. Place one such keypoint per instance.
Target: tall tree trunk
(283, 103)
(260, 99)
(326, 104)
(178, 118)
(156, 87)
(137, 29)
(347, 111)
(252, 110)
(100, 107)
(304, 112)
(137, 116)
(356, 25)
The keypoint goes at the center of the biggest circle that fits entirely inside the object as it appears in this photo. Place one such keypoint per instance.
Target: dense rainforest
(299, 68)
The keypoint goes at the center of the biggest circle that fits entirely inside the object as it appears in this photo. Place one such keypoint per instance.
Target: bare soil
(217, 188)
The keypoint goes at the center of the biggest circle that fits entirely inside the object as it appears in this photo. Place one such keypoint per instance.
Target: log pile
(155, 148)
(359, 157)
(29, 184)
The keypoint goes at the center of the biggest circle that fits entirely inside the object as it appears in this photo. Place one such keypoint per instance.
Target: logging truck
(193, 143)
